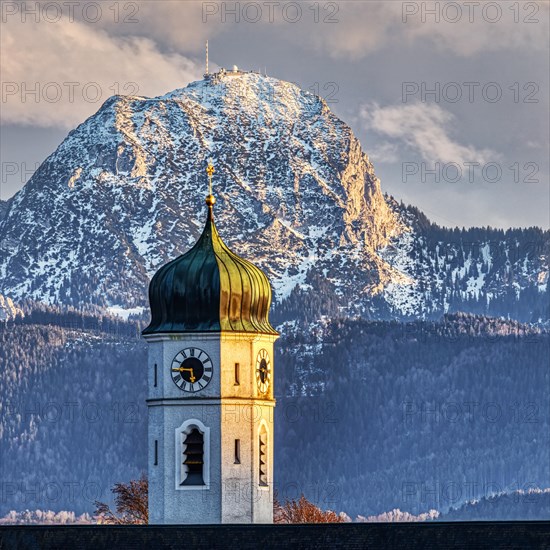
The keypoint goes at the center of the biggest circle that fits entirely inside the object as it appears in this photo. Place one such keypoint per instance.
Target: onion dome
(209, 289)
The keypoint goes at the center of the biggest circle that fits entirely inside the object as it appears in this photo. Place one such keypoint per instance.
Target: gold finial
(210, 199)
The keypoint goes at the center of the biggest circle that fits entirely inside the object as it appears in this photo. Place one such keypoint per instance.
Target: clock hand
(187, 369)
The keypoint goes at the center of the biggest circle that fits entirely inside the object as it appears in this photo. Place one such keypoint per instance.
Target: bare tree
(131, 507)
(130, 501)
(302, 511)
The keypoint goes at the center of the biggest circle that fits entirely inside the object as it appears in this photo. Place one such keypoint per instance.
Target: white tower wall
(225, 412)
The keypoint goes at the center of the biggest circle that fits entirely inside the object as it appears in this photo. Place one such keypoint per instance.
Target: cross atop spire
(210, 199)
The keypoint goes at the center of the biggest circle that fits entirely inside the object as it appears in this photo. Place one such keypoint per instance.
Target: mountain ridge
(297, 195)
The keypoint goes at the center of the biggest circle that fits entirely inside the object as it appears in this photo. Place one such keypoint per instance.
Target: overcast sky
(451, 91)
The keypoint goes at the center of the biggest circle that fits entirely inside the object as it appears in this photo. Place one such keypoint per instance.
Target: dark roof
(518, 535)
(209, 289)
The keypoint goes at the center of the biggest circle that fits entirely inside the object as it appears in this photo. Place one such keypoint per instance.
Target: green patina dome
(209, 289)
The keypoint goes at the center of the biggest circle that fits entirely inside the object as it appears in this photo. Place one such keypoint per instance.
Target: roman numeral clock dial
(263, 371)
(191, 370)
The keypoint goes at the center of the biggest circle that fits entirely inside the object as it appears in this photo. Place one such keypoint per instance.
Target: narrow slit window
(155, 375)
(263, 458)
(156, 452)
(193, 458)
(237, 451)
(237, 374)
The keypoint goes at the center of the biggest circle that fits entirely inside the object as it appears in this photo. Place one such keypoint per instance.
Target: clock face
(191, 370)
(263, 371)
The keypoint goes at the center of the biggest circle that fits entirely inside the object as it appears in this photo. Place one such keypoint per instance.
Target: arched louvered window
(263, 457)
(193, 457)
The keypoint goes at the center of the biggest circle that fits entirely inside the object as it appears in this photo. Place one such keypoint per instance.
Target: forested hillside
(377, 416)
(517, 505)
(72, 420)
(530, 504)
(370, 416)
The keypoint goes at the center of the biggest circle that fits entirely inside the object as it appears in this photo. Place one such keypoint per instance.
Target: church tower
(210, 387)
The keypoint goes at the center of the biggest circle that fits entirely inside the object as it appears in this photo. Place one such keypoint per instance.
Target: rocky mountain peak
(296, 194)
(123, 193)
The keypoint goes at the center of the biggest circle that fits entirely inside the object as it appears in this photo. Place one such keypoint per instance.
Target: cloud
(366, 27)
(425, 129)
(180, 26)
(361, 28)
(57, 74)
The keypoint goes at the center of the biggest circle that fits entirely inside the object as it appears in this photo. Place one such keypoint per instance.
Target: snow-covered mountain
(124, 193)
